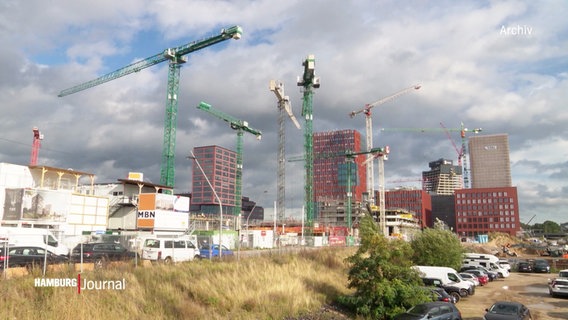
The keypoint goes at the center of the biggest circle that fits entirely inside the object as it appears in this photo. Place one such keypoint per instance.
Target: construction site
(340, 183)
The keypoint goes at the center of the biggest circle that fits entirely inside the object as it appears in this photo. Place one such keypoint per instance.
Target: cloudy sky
(497, 65)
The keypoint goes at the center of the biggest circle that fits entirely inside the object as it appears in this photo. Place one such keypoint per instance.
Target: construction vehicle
(36, 144)
(283, 107)
(462, 160)
(369, 133)
(309, 82)
(240, 126)
(176, 57)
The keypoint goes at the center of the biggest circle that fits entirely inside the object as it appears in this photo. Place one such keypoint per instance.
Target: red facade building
(414, 200)
(219, 165)
(484, 210)
(330, 165)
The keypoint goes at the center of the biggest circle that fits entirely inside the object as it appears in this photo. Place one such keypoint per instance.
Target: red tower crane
(36, 144)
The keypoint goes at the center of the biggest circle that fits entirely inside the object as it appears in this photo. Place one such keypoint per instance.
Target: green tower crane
(176, 57)
(240, 126)
(309, 81)
(352, 172)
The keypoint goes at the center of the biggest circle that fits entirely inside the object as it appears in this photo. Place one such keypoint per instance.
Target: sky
(497, 65)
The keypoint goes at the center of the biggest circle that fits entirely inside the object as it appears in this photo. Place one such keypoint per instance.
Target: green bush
(381, 275)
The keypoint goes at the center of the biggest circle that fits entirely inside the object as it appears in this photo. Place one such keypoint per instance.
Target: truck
(39, 237)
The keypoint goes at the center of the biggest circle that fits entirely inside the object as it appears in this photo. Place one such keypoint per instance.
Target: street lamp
(218, 200)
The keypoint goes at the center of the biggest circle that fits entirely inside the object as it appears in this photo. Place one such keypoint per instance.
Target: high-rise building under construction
(219, 165)
(331, 165)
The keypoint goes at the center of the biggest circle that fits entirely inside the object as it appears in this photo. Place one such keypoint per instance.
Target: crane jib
(233, 32)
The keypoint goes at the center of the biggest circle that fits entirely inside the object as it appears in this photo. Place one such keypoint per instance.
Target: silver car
(470, 277)
(558, 287)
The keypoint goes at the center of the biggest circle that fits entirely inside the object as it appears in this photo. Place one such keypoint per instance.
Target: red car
(482, 277)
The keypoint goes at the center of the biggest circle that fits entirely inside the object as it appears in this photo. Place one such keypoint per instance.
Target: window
(445, 309)
(179, 244)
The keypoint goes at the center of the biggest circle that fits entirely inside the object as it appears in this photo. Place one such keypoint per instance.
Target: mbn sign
(147, 214)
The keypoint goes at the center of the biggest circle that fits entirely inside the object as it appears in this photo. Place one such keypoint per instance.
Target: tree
(434, 247)
(381, 274)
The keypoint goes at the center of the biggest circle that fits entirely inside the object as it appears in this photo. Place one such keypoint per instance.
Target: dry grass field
(275, 286)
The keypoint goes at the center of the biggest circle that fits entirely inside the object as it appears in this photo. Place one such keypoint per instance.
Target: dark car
(101, 252)
(524, 266)
(206, 251)
(455, 292)
(29, 256)
(507, 310)
(431, 310)
(541, 266)
(439, 294)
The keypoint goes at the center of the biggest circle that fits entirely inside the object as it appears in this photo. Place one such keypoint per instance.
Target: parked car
(101, 252)
(481, 276)
(470, 277)
(507, 310)
(541, 266)
(503, 263)
(524, 266)
(431, 310)
(439, 294)
(492, 275)
(558, 287)
(29, 256)
(563, 273)
(206, 251)
(455, 292)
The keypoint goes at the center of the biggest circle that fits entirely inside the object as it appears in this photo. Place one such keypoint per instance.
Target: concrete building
(219, 165)
(443, 178)
(489, 161)
(484, 210)
(47, 197)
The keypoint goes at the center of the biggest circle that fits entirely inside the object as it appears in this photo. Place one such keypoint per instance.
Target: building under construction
(332, 175)
(443, 178)
(219, 165)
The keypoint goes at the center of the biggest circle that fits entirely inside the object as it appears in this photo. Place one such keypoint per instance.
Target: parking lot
(530, 289)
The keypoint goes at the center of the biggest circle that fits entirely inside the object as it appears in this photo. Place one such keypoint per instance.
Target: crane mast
(374, 152)
(240, 126)
(176, 57)
(283, 107)
(309, 82)
(369, 134)
(36, 144)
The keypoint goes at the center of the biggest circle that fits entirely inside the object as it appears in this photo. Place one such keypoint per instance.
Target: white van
(39, 237)
(447, 276)
(489, 261)
(169, 249)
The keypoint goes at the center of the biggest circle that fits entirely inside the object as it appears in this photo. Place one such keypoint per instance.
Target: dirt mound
(499, 244)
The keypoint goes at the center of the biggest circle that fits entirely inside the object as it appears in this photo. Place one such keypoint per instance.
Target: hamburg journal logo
(80, 284)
